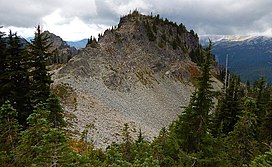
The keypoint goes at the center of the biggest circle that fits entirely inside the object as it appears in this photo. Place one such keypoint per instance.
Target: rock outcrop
(63, 51)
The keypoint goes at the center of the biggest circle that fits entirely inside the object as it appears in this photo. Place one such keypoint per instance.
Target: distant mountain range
(78, 44)
(250, 57)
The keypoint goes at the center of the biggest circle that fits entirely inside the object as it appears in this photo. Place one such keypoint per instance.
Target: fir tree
(9, 128)
(56, 117)
(127, 143)
(262, 94)
(39, 51)
(191, 126)
(31, 138)
(42, 145)
(3, 69)
(17, 71)
(242, 142)
(229, 108)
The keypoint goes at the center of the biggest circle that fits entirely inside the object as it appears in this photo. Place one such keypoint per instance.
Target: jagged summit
(64, 51)
(139, 44)
(161, 32)
(139, 72)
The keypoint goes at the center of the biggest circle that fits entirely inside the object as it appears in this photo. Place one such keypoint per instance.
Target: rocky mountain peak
(64, 51)
(138, 72)
(140, 45)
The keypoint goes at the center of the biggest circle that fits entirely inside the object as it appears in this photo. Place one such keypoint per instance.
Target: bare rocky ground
(103, 112)
(148, 109)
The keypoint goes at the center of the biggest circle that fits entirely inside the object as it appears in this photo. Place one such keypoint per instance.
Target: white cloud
(70, 29)
(21, 31)
(90, 17)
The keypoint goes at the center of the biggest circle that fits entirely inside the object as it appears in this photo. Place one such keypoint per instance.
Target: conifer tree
(42, 145)
(229, 108)
(9, 128)
(191, 126)
(262, 94)
(56, 117)
(18, 84)
(3, 69)
(127, 143)
(242, 142)
(39, 52)
(31, 140)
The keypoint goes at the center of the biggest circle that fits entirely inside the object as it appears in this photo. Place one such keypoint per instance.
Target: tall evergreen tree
(18, 83)
(3, 69)
(242, 142)
(191, 126)
(14, 78)
(262, 93)
(39, 51)
(229, 108)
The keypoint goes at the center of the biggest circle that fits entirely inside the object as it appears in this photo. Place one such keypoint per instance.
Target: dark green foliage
(181, 29)
(229, 108)
(92, 42)
(38, 51)
(127, 144)
(262, 93)
(56, 112)
(196, 55)
(243, 145)
(3, 68)
(149, 32)
(191, 127)
(9, 128)
(14, 77)
(263, 160)
(165, 148)
(42, 145)
(31, 141)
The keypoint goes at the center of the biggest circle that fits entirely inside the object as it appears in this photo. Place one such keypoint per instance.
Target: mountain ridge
(250, 58)
(131, 74)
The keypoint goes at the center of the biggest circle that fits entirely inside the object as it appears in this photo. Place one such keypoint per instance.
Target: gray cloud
(29, 13)
(204, 16)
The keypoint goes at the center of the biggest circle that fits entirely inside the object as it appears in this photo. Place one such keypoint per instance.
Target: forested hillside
(231, 127)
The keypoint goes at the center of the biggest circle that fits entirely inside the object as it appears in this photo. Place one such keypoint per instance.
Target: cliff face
(138, 73)
(63, 51)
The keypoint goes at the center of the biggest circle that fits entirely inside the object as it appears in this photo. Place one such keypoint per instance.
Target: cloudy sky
(78, 19)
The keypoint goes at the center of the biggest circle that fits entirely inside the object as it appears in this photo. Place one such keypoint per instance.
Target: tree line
(235, 131)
